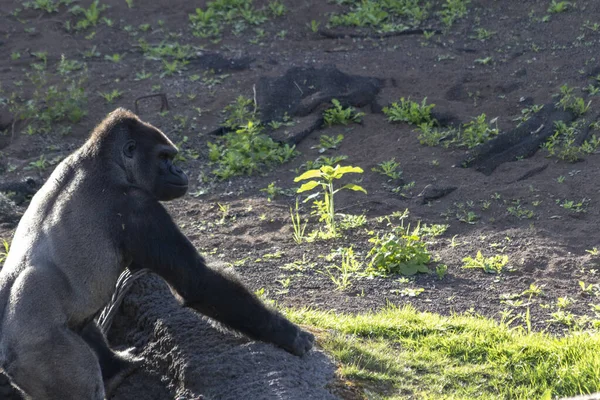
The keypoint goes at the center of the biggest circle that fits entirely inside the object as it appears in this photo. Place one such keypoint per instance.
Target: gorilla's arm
(153, 241)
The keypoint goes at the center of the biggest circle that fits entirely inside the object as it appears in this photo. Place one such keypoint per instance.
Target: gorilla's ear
(128, 148)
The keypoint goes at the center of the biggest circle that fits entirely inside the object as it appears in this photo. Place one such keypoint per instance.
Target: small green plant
(116, 58)
(491, 265)
(338, 115)
(224, 210)
(129, 3)
(453, 10)
(111, 96)
(573, 206)
(341, 275)
(558, 6)
(519, 211)
(484, 61)
(482, 34)
(327, 142)
(245, 149)
(324, 178)
(568, 101)
(441, 270)
(272, 191)
(402, 251)
(48, 6)
(314, 26)
(389, 168)
(586, 288)
(477, 131)
(40, 164)
(563, 143)
(410, 112)
(297, 226)
(91, 15)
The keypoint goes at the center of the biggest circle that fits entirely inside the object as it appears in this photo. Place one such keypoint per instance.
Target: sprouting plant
(324, 178)
(341, 275)
(389, 168)
(482, 34)
(477, 131)
(411, 112)
(245, 149)
(453, 10)
(314, 26)
(338, 115)
(586, 288)
(272, 190)
(111, 96)
(91, 15)
(568, 101)
(129, 3)
(224, 210)
(558, 6)
(441, 270)
(40, 164)
(574, 206)
(491, 265)
(484, 61)
(116, 58)
(298, 227)
(327, 142)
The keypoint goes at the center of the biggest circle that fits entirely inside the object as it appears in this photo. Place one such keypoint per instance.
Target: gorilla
(99, 213)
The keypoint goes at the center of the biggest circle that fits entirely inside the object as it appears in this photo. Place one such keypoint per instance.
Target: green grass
(401, 353)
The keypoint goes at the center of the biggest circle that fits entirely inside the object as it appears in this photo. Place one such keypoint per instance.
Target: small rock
(431, 192)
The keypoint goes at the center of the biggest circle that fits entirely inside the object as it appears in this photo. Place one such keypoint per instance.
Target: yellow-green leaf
(313, 173)
(308, 186)
(340, 171)
(354, 187)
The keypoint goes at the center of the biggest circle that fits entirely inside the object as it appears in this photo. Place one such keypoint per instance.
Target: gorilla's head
(146, 154)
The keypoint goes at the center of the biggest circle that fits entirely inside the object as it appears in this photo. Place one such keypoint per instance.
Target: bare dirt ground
(531, 57)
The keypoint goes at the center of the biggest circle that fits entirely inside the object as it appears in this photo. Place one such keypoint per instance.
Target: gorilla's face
(170, 182)
(151, 165)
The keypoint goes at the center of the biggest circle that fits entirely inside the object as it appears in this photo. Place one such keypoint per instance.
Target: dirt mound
(187, 356)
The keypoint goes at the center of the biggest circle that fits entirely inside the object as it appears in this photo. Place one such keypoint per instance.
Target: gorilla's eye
(164, 156)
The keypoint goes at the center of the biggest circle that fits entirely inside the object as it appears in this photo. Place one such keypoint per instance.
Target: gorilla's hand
(291, 338)
(302, 343)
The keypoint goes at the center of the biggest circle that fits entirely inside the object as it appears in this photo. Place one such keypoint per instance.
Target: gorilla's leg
(115, 366)
(60, 366)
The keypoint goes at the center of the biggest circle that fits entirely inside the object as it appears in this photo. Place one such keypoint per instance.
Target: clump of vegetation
(323, 178)
(349, 267)
(476, 132)
(327, 142)
(237, 14)
(389, 168)
(491, 265)
(453, 10)
(90, 15)
(386, 16)
(563, 143)
(410, 112)
(396, 15)
(339, 115)
(568, 101)
(246, 149)
(402, 250)
(50, 103)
